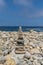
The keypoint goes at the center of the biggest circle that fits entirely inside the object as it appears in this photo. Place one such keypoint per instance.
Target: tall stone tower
(20, 42)
(20, 33)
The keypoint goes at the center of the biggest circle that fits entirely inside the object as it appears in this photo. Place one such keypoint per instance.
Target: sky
(21, 12)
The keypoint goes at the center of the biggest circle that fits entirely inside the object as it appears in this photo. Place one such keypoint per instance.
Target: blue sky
(21, 12)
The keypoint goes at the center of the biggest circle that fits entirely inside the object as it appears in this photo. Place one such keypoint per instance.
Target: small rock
(27, 55)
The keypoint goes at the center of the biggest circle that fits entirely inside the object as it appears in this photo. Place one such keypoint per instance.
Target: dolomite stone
(10, 61)
(27, 55)
(1, 64)
(2, 60)
(36, 62)
(34, 51)
(34, 42)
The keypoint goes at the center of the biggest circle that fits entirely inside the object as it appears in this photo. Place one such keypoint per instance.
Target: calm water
(24, 28)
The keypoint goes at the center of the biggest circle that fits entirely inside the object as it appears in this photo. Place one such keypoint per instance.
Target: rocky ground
(33, 46)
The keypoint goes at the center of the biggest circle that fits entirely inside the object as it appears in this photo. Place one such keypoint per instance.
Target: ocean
(24, 28)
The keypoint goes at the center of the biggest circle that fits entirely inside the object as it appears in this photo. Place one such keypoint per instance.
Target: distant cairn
(20, 43)
(20, 34)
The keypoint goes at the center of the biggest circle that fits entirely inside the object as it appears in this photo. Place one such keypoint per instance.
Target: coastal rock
(2, 60)
(10, 61)
(35, 50)
(33, 43)
(27, 55)
(36, 62)
(1, 53)
(1, 64)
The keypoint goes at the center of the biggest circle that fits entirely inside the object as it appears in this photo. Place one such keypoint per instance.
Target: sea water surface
(24, 28)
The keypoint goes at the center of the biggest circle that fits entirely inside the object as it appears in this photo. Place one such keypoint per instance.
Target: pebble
(33, 41)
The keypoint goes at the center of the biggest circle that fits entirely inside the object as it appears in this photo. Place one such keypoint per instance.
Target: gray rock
(27, 55)
(2, 60)
(36, 62)
(29, 62)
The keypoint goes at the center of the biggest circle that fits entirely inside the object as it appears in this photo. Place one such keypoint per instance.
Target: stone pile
(33, 42)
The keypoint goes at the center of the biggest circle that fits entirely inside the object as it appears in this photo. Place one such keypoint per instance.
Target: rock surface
(33, 42)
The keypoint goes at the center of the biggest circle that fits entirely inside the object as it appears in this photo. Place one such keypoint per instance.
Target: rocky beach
(33, 44)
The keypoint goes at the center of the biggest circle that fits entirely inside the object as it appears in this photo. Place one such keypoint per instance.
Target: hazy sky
(21, 12)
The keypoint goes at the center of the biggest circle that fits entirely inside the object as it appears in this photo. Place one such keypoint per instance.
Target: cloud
(23, 2)
(2, 3)
(30, 13)
(37, 14)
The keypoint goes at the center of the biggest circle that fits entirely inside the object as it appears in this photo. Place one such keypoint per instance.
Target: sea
(24, 28)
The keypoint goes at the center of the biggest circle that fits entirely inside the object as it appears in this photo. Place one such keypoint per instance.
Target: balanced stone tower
(19, 49)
